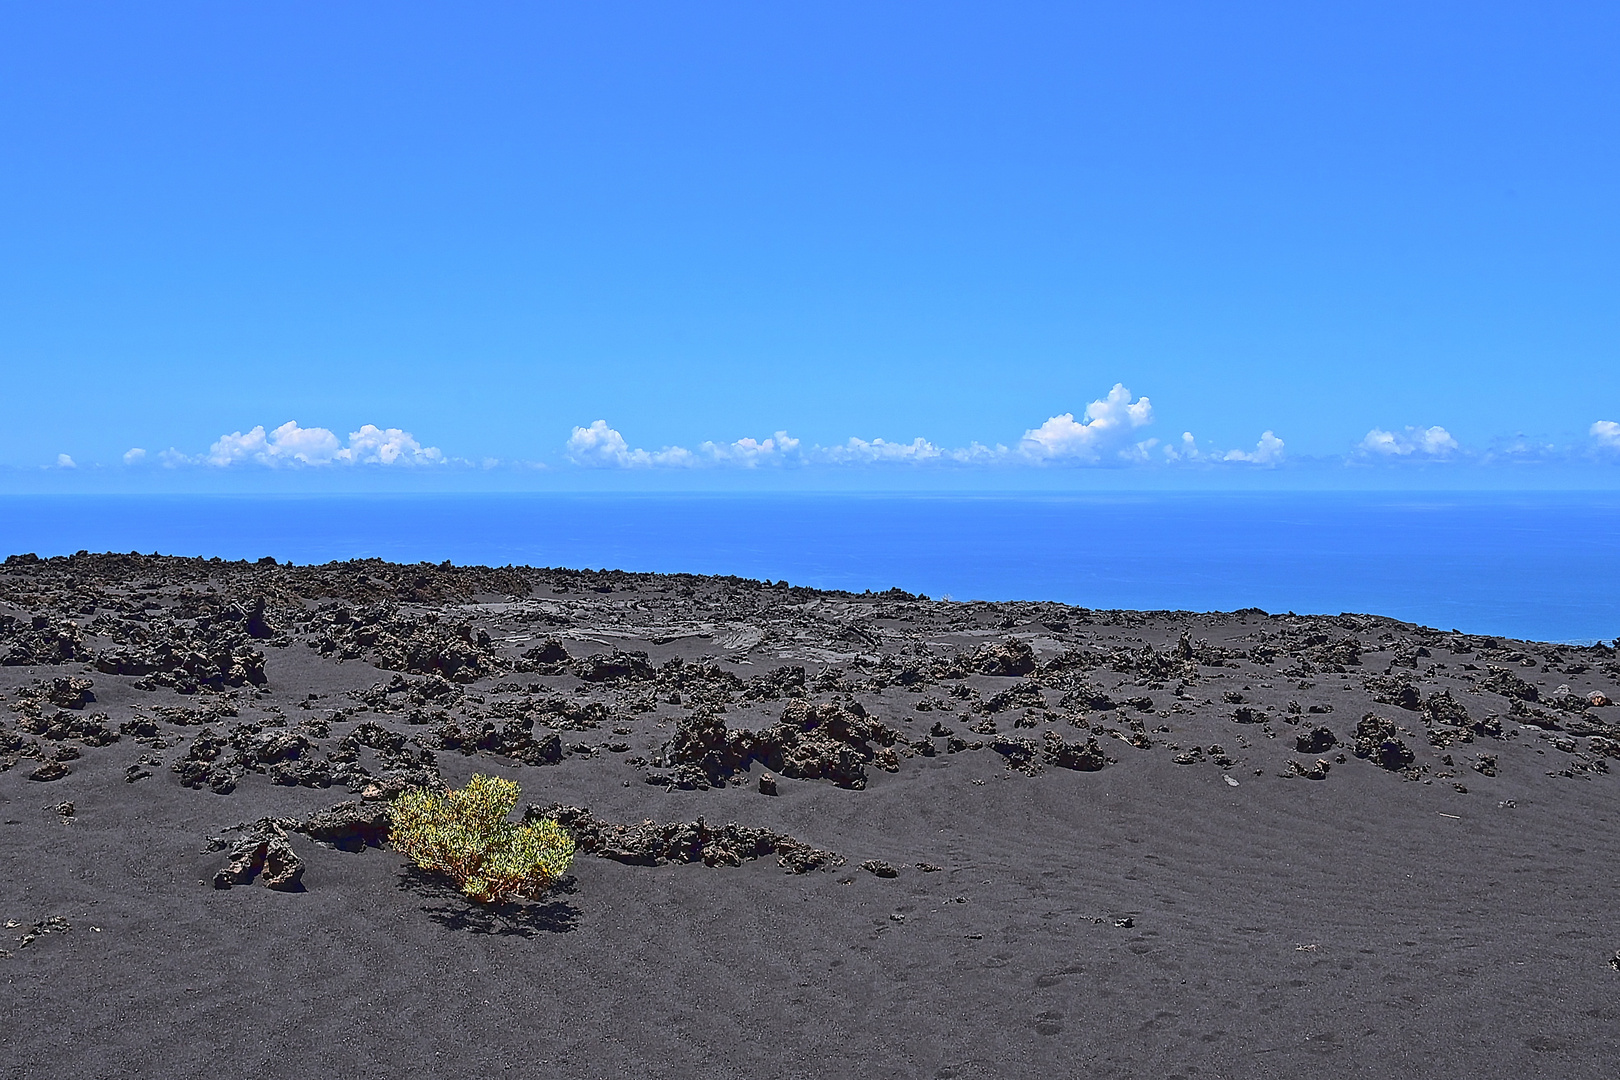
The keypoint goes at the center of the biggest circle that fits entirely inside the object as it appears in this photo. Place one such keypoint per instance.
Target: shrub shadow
(453, 911)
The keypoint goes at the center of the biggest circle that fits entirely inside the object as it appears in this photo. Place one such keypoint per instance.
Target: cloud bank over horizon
(1109, 433)
(293, 446)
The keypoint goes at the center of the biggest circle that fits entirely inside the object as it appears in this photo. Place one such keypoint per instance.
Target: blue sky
(931, 243)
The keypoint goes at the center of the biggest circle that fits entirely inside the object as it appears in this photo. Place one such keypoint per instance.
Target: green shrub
(466, 835)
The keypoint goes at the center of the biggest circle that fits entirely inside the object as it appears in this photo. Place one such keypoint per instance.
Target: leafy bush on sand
(466, 835)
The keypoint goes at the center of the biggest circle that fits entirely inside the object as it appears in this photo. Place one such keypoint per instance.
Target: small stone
(879, 868)
(1125, 923)
(1318, 771)
(53, 925)
(1598, 699)
(767, 784)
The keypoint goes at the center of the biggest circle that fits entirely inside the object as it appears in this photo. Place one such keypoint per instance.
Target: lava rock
(514, 739)
(1316, 771)
(1502, 681)
(348, 826)
(1393, 690)
(39, 642)
(1010, 657)
(90, 730)
(1376, 740)
(51, 770)
(1318, 740)
(651, 844)
(1087, 757)
(826, 741)
(1022, 755)
(264, 854)
(70, 692)
(615, 667)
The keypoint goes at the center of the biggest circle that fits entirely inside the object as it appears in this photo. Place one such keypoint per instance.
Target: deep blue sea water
(1520, 565)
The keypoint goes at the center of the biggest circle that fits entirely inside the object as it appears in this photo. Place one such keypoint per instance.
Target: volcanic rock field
(820, 833)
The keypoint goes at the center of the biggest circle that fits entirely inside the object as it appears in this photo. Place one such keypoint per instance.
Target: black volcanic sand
(1116, 842)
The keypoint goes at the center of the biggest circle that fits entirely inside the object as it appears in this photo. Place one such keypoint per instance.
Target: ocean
(1541, 566)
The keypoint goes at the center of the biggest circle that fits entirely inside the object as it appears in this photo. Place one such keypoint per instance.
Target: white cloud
(1268, 451)
(372, 445)
(134, 456)
(1607, 434)
(1433, 442)
(976, 453)
(918, 451)
(1107, 429)
(65, 462)
(600, 446)
(1437, 440)
(780, 449)
(1186, 449)
(880, 451)
(290, 444)
(1108, 434)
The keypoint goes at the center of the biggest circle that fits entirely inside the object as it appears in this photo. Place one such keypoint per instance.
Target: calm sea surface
(1532, 566)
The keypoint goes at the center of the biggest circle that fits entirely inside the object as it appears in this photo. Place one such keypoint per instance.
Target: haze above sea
(1539, 566)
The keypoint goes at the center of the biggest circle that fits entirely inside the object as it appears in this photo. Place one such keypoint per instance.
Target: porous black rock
(1085, 757)
(70, 692)
(1010, 657)
(830, 740)
(51, 770)
(1376, 741)
(1318, 740)
(264, 853)
(348, 826)
(648, 843)
(615, 667)
(40, 641)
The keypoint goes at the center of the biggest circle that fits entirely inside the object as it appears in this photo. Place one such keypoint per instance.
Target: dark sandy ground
(1119, 844)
